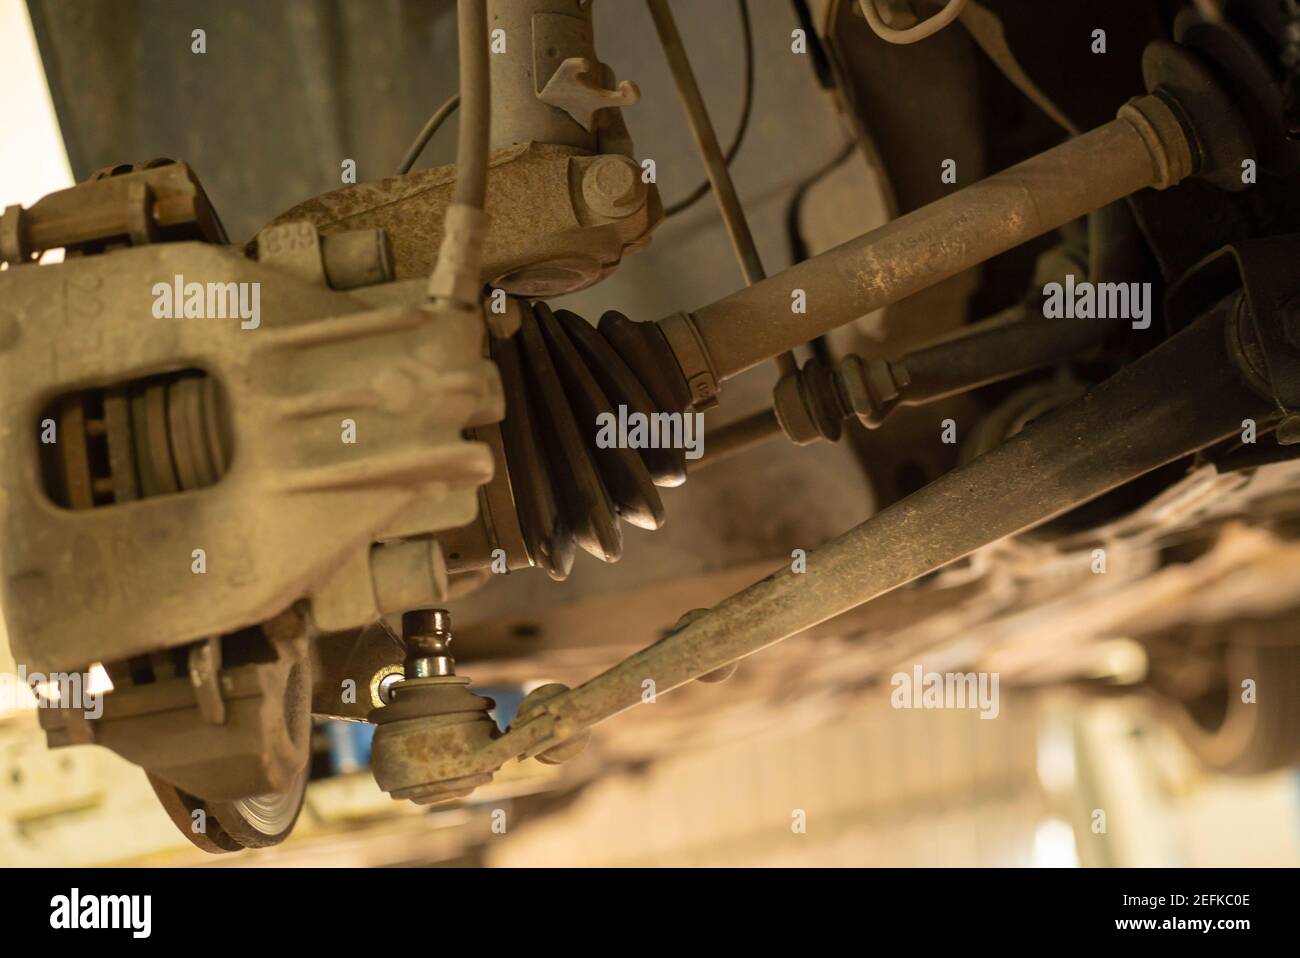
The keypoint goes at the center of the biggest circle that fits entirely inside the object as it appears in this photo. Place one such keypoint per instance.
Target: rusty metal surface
(365, 657)
(343, 537)
(1144, 147)
(1056, 462)
(257, 744)
(543, 238)
(287, 384)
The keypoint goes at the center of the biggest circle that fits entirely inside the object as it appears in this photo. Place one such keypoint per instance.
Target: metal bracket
(576, 88)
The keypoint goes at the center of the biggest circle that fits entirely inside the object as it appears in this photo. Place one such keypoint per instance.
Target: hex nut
(612, 186)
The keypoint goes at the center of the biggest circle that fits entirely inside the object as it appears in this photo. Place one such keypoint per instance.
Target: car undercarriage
(356, 453)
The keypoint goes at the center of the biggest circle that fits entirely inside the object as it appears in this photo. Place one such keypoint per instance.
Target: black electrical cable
(798, 248)
(821, 62)
(703, 189)
(425, 135)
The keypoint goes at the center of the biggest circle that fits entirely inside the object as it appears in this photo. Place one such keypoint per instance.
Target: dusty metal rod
(1001, 351)
(989, 352)
(736, 437)
(1145, 146)
(715, 164)
(1182, 396)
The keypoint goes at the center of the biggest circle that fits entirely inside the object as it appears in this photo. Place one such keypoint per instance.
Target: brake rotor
(262, 820)
(259, 821)
(205, 832)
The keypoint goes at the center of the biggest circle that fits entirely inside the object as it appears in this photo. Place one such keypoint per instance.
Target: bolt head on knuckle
(612, 186)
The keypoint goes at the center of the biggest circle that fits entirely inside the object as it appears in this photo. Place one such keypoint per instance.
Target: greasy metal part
(427, 634)
(813, 403)
(543, 237)
(1180, 397)
(715, 163)
(1146, 146)
(234, 732)
(430, 721)
(430, 711)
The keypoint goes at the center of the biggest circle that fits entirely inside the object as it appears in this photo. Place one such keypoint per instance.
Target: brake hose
(926, 28)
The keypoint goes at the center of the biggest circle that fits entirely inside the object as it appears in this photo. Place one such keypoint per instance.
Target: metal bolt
(792, 412)
(869, 387)
(612, 186)
(427, 633)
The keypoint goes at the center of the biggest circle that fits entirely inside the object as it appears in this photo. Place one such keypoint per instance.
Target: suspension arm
(1155, 141)
(1181, 397)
